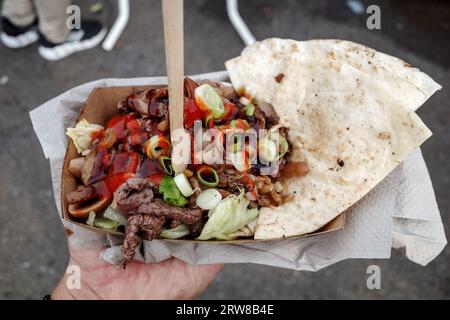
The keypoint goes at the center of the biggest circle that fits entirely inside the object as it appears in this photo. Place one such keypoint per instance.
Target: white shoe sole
(21, 41)
(61, 51)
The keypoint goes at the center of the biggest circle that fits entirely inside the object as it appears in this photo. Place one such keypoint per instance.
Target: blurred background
(33, 252)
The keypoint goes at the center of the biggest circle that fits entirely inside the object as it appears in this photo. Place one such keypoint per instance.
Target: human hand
(169, 279)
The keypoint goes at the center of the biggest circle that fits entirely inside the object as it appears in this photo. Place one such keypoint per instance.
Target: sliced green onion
(166, 164)
(157, 146)
(208, 176)
(249, 110)
(183, 185)
(208, 99)
(208, 199)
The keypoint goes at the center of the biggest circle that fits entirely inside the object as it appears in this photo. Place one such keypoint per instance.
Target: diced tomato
(118, 124)
(156, 178)
(98, 134)
(230, 111)
(138, 139)
(133, 126)
(114, 120)
(114, 181)
(192, 113)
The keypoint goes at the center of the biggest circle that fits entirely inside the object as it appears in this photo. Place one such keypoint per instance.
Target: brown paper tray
(100, 106)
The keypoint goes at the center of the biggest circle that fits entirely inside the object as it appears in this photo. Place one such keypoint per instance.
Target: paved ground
(33, 249)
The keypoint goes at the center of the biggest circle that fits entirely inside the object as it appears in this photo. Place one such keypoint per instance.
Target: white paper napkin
(401, 212)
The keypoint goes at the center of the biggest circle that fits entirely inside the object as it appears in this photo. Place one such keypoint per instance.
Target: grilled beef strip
(140, 226)
(132, 194)
(81, 194)
(190, 217)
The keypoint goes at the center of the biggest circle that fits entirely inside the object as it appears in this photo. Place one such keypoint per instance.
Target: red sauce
(113, 182)
(124, 162)
(102, 189)
(138, 139)
(156, 178)
(230, 112)
(192, 113)
(99, 134)
(149, 167)
(118, 124)
(120, 168)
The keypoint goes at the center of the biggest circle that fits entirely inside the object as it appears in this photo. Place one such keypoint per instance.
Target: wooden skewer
(174, 47)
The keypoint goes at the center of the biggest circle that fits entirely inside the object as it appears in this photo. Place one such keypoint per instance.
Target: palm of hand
(170, 279)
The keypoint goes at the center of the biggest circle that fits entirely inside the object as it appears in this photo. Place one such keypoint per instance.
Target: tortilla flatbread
(399, 76)
(347, 124)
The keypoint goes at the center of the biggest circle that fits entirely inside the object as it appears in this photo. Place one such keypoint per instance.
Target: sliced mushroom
(76, 166)
(82, 210)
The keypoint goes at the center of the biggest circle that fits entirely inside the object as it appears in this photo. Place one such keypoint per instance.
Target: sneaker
(89, 36)
(18, 37)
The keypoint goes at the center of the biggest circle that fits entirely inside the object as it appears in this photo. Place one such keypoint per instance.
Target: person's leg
(19, 12)
(18, 19)
(56, 39)
(52, 19)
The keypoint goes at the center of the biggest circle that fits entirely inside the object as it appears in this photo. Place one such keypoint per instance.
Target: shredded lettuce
(106, 224)
(230, 215)
(91, 218)
(82, 134)
(175, 233)
(116, 216)
(171, 193)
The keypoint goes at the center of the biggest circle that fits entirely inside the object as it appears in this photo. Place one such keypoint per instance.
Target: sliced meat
(174, 224)
(140, 226)
(129, 196)
(138, 102)
(151, 102)
(189, 88)
(160, 208)
(159, 103)
(81, 194)
(260, 118)
(269, 113)
(134, 200)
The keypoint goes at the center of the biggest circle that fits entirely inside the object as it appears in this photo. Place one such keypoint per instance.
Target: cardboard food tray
(100, 106)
